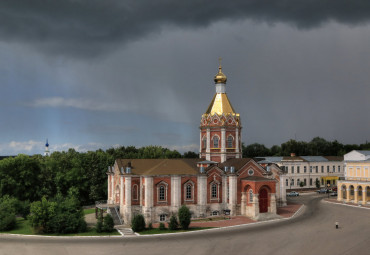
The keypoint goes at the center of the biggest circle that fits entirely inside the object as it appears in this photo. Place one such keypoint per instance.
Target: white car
(293, 194)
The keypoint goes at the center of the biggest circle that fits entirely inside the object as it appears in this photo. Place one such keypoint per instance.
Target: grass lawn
(155, 231)
(89, 211)
(24, 228)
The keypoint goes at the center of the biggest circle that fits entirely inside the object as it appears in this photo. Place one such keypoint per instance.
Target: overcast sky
(95, 74)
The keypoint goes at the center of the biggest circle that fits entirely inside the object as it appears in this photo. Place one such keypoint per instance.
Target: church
(220, 182)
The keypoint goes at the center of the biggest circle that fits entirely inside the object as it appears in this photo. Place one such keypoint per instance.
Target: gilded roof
(161, 166)
(220, 104)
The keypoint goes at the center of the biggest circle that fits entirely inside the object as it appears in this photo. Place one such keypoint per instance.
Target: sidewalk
(284, 212)
(334, 200)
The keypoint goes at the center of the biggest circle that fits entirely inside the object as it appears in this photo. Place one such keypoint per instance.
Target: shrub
(162, 226)
(7, 213)
(150, 226)
(184, 217)
(108, 223)
(173, 225)
(99, 224)
(138, 223)
(41, 213)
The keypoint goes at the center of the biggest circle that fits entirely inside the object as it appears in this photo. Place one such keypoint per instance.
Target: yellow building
(356, 185)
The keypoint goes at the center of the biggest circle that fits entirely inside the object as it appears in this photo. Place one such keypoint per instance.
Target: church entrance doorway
(263, 200)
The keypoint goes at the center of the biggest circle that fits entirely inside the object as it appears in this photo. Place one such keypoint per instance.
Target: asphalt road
(311, 232)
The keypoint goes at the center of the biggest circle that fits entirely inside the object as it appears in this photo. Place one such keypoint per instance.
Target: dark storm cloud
(77, 27)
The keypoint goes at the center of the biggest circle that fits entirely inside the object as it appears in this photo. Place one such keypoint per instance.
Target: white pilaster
(148, 208)
(112, 188)
(224, 191)
(237, 142)
(121, 194)
(232, 194)
(223, 145)
(127, 215)
(175, 193)
(202, 195)
(208, 149)
(109, 189)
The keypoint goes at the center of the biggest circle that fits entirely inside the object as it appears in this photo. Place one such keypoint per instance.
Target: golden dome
(220, 77)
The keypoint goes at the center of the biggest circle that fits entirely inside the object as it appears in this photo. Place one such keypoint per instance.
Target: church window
(189, 187)
(250, 195)
(214, 191)
(230, 141)
(135, 192)
(162, 193)
(215, 141)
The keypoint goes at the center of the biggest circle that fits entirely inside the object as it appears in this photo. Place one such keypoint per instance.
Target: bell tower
(220, 126)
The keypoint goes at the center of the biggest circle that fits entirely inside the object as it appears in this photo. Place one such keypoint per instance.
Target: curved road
(311, 232)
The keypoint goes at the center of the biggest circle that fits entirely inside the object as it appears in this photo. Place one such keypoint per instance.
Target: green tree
(7, 213)
(41, 213)
(184, 217)
(108, 223)
(173, 225)
(255, 150)
(138, 223)
(317, 184)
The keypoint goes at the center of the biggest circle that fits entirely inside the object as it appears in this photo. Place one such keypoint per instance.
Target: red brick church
(219, 182)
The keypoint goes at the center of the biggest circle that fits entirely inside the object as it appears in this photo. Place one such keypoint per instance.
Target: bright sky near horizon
(96, 74)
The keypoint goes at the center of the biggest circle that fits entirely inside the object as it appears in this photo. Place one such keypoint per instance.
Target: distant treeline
(29, 178)
(316, 147)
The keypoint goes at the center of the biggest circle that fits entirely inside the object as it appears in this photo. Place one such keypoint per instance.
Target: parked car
(334, 194)
(322, 191)
(293, 194)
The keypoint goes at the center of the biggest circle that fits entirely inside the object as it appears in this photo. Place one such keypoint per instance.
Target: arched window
(230, 141)
(189, 191)
(250, 195)
(204, 143)
(215, 141)
(135, 192)
(162, 193)
(214, 191)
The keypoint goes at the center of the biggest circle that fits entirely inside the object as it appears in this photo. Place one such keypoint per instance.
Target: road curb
(344, 204)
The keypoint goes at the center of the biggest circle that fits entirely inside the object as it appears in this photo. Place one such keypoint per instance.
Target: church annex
(219, 182)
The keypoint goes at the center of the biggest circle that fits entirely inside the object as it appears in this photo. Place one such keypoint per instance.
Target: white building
(302, 172)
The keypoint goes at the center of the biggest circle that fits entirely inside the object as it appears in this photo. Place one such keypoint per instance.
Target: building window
(327, 169)
(188, 191)
(250, 195)
(322, 169)
(305, 182)
(286, 182)
(135, 192)
(204, 143)
(162, 192)
(298, 182)
(214, 190)
(292, 169)
(215, 213)
(322, 181)
(298, 170)
(292, 182)
(305, 169)
(215, 142)
(310, 169)
(333, 169)
(317, 169)
(338, 168)
(310, 181)
(162, 217)
(229, 141)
